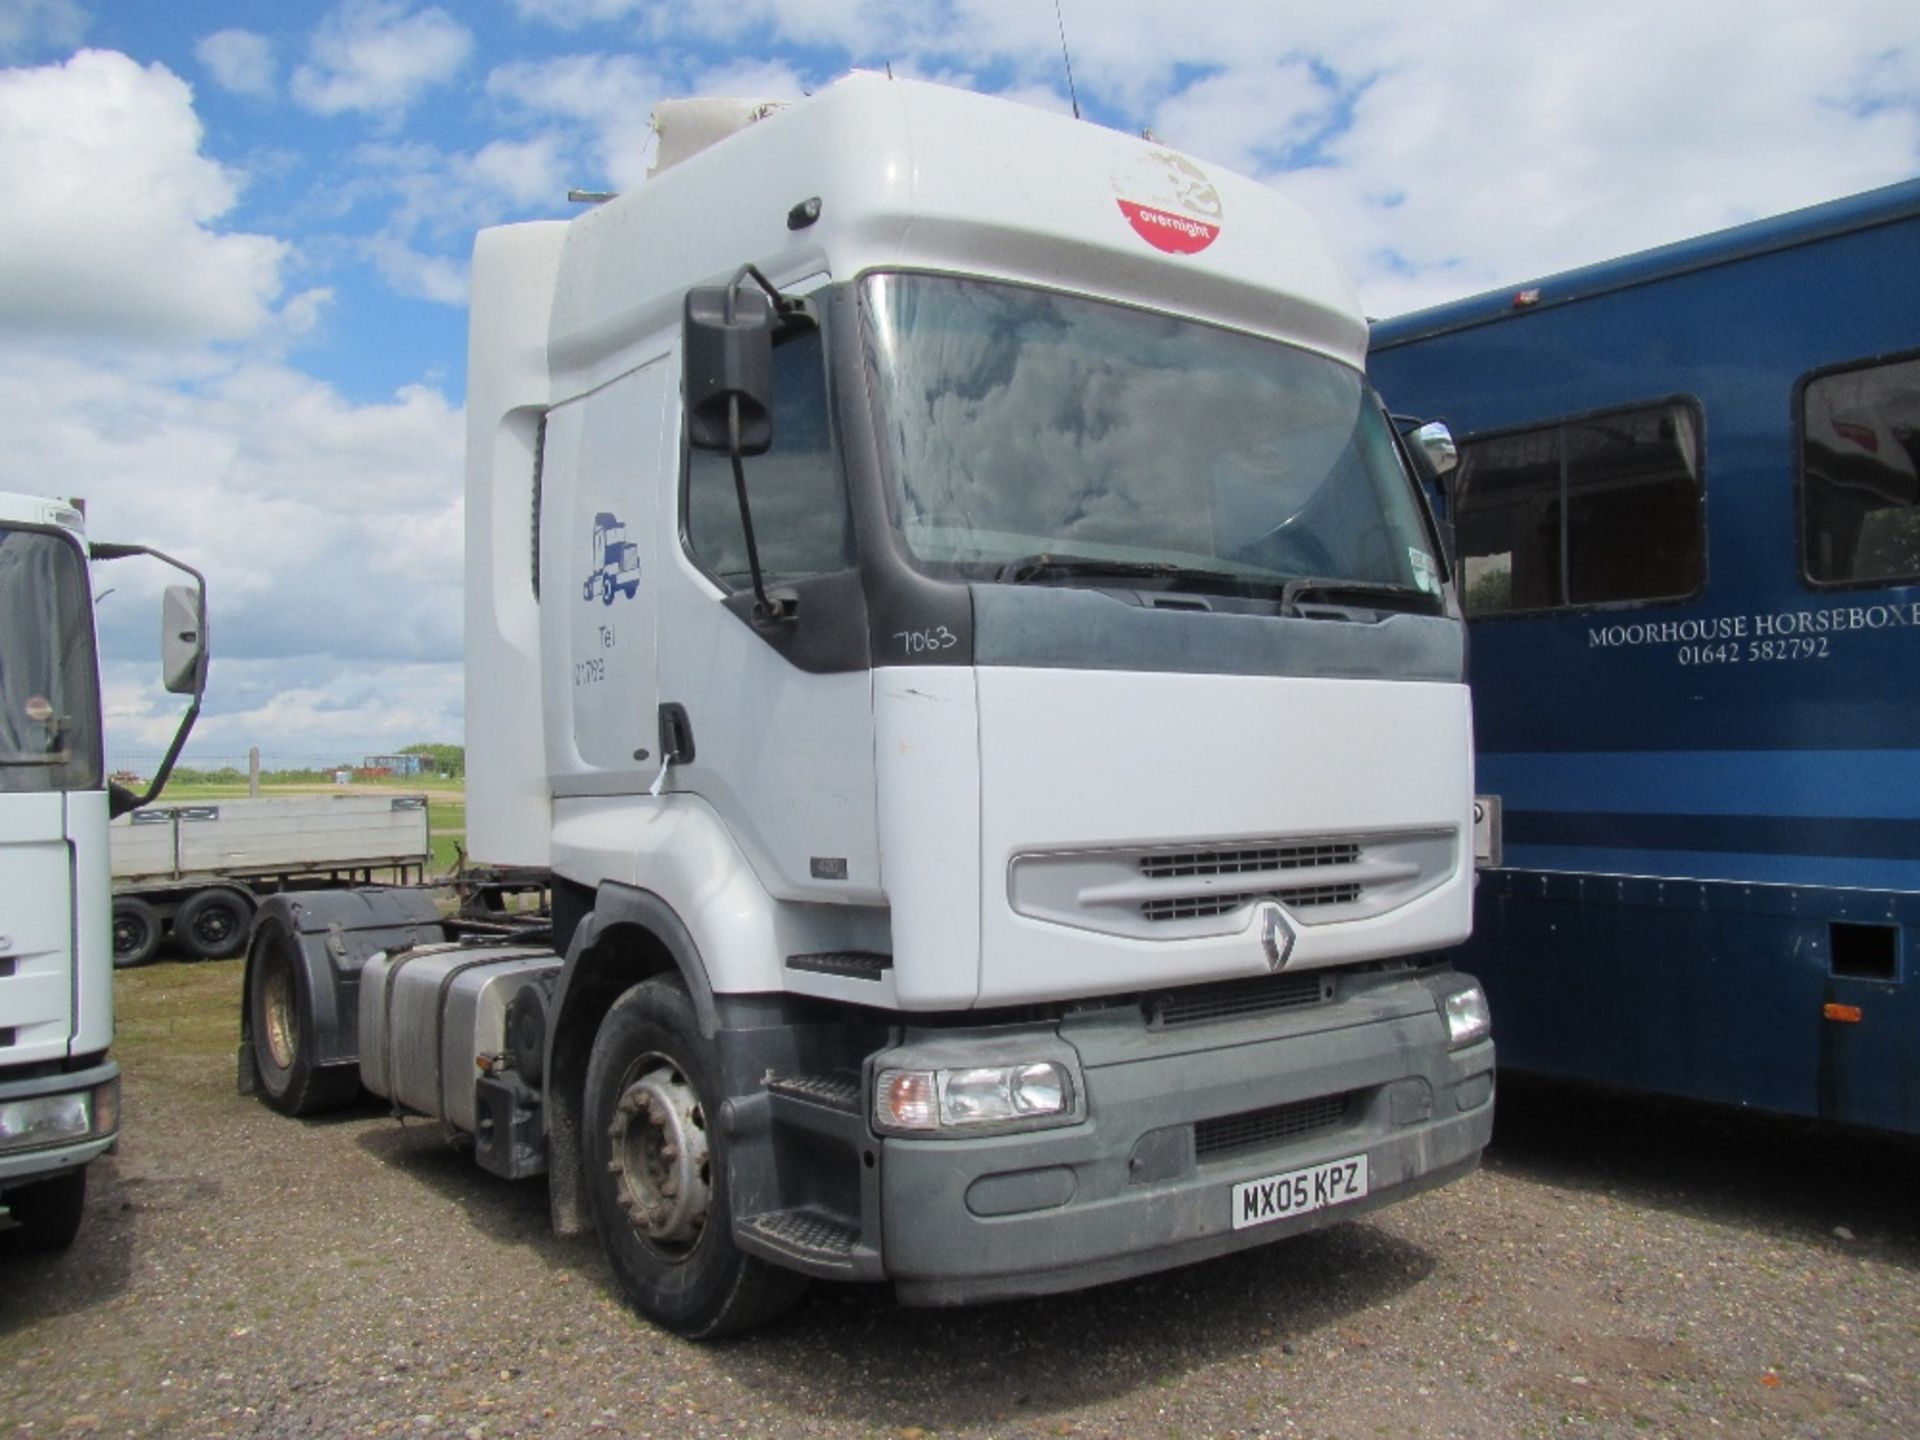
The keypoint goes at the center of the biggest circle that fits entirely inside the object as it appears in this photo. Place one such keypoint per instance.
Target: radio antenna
(1072, 95)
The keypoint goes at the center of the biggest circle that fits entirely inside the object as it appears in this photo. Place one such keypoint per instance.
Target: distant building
(394, 765)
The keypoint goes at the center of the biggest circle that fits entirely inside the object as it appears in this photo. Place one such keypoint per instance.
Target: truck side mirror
(728, 357)
(183, 640)
(1435, 441)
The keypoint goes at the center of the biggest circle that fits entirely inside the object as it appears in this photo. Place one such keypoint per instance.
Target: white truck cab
(59, 1090)
(1003, 838)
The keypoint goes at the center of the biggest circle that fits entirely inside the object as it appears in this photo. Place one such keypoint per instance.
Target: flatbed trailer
(198, 871)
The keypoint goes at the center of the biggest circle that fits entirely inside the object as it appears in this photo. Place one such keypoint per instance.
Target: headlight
(44, 1120)
(1468, 1019)
(978, 1095)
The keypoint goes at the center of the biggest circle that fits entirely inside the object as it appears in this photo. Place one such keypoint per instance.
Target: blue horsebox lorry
(1688, 545)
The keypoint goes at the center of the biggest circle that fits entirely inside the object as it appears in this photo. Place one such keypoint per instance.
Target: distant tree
(442, 759)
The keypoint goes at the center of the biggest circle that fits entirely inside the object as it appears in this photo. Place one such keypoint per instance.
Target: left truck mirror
(729, 362)
(183, 639)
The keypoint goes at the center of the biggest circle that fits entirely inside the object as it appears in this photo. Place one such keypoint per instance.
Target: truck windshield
(1036, 437)
(49, 681)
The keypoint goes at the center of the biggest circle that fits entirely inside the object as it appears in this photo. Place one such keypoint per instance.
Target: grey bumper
(1174, 1121)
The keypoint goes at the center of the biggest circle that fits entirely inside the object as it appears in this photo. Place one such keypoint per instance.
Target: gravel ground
(1617, 1268)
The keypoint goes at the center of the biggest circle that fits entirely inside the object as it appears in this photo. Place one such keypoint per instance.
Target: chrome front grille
(1192, 891)
(1239, 862)
(1194, 907)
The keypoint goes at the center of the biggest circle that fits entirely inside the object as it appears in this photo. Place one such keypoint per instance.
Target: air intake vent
(1239, 862)
(1237, 999)
(1192, 907)
(1258, 1128)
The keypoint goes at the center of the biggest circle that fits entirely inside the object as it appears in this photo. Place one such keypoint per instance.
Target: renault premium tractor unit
(1006, 818)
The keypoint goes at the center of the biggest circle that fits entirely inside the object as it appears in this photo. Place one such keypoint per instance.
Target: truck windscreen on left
(49, 680)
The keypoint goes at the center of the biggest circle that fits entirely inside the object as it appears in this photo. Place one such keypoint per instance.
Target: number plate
(1257, 1202)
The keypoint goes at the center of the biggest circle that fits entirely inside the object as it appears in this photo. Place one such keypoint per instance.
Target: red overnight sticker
(1169, 202)
(1164, 230)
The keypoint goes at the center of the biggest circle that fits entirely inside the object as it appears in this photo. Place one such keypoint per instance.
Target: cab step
(811, 1240)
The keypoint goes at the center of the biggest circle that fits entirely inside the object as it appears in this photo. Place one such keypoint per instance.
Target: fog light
(44, 1120)
(1468, 1019)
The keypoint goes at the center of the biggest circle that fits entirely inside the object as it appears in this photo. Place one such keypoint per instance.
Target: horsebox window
(1859, 456)
(1601, 510)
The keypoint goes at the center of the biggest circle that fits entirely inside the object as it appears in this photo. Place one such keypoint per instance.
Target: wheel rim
(214, 925)
(277, 1014)
(129, 934)
(662, 1164)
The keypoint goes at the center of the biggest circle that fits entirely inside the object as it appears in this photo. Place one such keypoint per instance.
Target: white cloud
(377, 56)
(29, 25)
(240, 61)
(440, 199)
(330, 534)
(415, 273)
(110, 207)
(608, 97)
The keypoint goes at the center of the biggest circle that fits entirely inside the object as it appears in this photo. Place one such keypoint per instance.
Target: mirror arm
(760, 605)
(767, 610)
(103, 550)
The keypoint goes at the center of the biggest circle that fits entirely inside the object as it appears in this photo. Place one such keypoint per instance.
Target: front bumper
(1174, 1120)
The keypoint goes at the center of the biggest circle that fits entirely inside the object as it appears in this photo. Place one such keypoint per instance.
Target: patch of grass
(177, 1011)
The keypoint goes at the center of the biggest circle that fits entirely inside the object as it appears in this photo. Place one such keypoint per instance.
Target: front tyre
(47, 1214)
(656, 1173)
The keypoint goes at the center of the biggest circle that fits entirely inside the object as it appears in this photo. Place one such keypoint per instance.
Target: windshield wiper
(1371, 593)
(1037, 567)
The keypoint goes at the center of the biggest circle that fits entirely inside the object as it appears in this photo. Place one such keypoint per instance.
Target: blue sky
(232, 274)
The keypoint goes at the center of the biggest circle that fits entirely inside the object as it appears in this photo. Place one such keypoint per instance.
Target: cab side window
(796, 489)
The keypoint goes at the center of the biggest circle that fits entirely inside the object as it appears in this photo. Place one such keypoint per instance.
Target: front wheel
(656, 1173)
(47, 1213)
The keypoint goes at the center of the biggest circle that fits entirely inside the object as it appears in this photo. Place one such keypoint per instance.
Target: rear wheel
(47, 1213)
(136, 931)
(656, 1172)
(280, 1017)
(212, 925)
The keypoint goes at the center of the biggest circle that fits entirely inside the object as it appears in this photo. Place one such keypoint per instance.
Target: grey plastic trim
(1072, 628)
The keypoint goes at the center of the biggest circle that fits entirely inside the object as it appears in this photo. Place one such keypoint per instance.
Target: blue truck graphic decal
(616, 561)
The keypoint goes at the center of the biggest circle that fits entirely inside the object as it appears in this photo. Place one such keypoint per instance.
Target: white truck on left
(59, 1091)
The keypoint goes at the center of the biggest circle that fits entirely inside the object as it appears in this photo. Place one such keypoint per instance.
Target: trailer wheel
(47, 1213)
(212, 925)
(280, 1022)
(136, 931)
(656, 1173)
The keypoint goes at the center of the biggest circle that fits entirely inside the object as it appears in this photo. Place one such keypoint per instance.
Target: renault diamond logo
(1276, 936)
